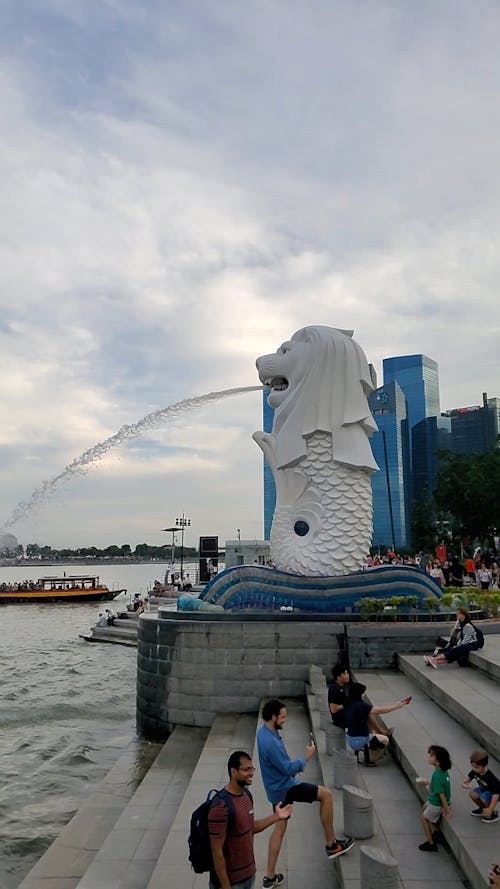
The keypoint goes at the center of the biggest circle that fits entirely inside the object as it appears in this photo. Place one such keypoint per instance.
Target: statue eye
(301, 528)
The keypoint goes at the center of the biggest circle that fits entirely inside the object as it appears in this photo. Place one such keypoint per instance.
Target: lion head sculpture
(320, 381)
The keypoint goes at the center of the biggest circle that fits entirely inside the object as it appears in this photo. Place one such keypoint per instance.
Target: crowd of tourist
(20, 587)
(481, 569)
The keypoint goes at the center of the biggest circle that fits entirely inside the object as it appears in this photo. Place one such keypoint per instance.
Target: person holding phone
(281, 786)
(358, 712)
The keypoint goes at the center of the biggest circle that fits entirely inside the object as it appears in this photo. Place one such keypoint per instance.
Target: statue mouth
(278, 384)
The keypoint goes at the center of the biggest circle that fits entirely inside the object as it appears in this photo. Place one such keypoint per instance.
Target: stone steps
(74, 849)
(396, 810)
(229, 732)
(302, 857)
(129, 853)
(488, 659)
(424, 722)
(471, 697)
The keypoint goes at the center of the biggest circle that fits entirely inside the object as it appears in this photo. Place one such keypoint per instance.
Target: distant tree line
(143, 551)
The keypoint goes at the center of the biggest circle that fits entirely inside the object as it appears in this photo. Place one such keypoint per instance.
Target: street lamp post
(239, 538)
(172, 531)
(182, 522)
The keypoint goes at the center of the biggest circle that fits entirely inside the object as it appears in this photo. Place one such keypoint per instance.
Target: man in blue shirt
(278, 775)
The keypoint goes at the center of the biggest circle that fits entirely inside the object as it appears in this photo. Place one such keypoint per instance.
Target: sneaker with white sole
(489, 819)
(339, 847)
(277, 880)
(478, 813)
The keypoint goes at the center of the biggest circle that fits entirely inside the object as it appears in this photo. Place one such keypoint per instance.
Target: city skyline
(184, 187)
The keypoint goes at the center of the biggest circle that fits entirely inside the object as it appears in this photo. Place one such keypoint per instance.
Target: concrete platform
(229, 732)
(302, 857)
(129, 853)
(488, 659)
(72, 852)
(470, 696)
(474, 844)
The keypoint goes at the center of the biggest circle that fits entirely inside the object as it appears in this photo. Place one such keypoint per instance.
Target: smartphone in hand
(311, 739)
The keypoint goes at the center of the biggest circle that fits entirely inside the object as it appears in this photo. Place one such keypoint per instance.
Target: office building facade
(391, 485)
(418, 377)
(475, 430)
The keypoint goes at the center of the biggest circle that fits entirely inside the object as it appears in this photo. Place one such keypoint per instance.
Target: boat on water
(71, 588)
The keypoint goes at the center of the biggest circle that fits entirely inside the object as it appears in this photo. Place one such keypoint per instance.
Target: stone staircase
(122, 632)
(396, 814)
(140, 840)
(459, 709)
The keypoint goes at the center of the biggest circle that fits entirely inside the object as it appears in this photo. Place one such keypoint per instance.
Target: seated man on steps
(281, 786)
(359, 735)
(338, 697)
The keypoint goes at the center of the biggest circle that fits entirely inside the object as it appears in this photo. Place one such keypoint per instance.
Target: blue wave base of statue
(261, 588)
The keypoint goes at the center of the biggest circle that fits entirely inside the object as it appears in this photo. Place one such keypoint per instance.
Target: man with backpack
(232, 826)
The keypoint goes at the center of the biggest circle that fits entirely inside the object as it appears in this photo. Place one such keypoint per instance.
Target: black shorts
(300, 793)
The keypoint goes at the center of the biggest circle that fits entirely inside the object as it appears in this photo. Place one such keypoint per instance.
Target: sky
(184, 185)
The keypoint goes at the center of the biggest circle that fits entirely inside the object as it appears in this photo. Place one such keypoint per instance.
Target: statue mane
(329, 381)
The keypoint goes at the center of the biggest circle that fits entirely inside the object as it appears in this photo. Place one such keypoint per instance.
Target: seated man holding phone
(358, 713)
(338, 698)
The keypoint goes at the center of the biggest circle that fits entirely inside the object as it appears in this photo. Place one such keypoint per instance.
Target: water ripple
(68, 713)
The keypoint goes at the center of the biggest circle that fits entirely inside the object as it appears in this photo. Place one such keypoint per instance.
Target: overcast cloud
(184, 185)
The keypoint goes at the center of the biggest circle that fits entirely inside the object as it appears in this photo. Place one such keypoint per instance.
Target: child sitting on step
(487, 792)
(439, 800)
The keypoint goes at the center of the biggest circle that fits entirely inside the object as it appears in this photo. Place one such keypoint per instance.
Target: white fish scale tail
(338, 509)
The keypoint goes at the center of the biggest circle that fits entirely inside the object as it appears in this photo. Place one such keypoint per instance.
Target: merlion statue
(319, 451)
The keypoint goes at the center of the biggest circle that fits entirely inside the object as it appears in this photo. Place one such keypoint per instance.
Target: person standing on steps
(231, 840)
(278, 775)
(439, 801)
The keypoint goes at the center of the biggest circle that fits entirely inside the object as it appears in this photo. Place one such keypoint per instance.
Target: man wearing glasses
(231, 836)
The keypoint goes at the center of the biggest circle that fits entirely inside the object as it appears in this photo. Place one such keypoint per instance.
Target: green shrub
(369, 606)
(431, 604)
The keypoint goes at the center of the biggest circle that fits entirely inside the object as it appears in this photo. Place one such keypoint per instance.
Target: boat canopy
(71, 582)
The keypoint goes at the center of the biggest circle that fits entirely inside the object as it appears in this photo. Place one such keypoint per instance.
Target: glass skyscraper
(390, 486)
(406, 409)
(475, 430)
(418, 377)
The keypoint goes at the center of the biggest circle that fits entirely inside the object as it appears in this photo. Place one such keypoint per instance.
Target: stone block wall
(190, 667)
(373, 646)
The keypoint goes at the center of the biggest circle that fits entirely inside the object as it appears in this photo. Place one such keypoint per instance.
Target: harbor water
(68, 710)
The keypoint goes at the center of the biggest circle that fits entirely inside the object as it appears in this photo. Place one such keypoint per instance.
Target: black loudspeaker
(209, 558)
